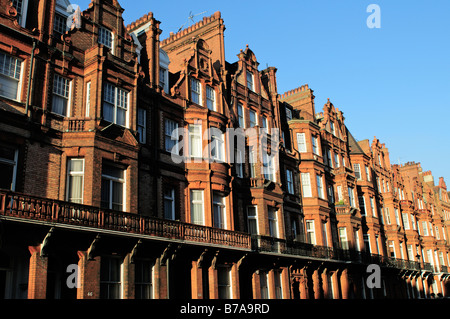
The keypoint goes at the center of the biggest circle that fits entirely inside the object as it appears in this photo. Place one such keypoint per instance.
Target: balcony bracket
(45, 243)
(93, 248)
(200, 261)
(135, 251)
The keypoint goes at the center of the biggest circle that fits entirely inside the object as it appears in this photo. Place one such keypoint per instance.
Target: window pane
(105, 193)
(76, 189)
(117, 200)
(6, 173)
(59, 105)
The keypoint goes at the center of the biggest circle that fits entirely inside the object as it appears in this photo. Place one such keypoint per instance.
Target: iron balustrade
(55, 211)
(23, 206)
(267, 244)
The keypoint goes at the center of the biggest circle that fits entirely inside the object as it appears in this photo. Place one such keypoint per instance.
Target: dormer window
(333, 130)
(288, 114)
(21, 7)
(105, 37)
(164, 70)
(196, 91)
(250, 84)
(210, 98)
(60, 25)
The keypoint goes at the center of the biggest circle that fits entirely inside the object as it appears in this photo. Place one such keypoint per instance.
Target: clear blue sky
(392, 82)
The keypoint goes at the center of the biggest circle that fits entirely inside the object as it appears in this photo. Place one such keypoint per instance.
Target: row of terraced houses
(92, 176)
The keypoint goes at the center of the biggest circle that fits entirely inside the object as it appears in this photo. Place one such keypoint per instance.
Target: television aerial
(190, 19)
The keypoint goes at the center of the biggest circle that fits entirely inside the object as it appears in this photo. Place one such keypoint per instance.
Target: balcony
(266, 244)
(20, 207)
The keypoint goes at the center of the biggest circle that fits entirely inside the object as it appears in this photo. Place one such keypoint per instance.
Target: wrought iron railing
(290, 247)
(23, 206)
(47, 210)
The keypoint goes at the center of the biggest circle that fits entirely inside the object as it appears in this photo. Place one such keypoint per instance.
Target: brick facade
(91, 177)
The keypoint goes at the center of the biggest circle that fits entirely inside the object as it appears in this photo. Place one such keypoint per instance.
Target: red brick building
(159, 170)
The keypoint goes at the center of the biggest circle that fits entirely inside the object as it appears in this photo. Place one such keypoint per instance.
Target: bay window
(8, 167)
(113, 188)
(195, 140)
(75, 180)
(10, 76)
(197, 212)
(115, 105)
(219, 211)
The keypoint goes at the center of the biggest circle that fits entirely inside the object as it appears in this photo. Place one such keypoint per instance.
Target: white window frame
(113, 179)
(21, 12)
(310, 231)
(220, 219)
(252, 218)
(343, 239)
(253, 117)
(88, 98)
(218, 144)
(211, 98)
(301, 142)
(269, 167)
(351, 196)
(170, 198)
(11, 163)
(320, 190)
(170, 145)
(200, 202)
(106, 38)
(306, 184)
(60, 23)
(336, 160)
(288, 114)
(332, 128)
(71, 174)
(142, 124)
(250, 81)
(12, 72)
(272, 221)
(241, 116)
(264, 123)
(196, 91)
(121, 103)
(405, 221)
(362, 205)
(62, 89)
(239, 163)
(290, 181)
(388, 215)
(315, 145)
(339, 192)
(357, 170)
(373, 206)
(195, 140)
(164, 62)
(367, 173)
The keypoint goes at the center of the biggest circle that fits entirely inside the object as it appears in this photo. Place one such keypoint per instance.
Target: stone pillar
(37, 277)
(235, 282)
